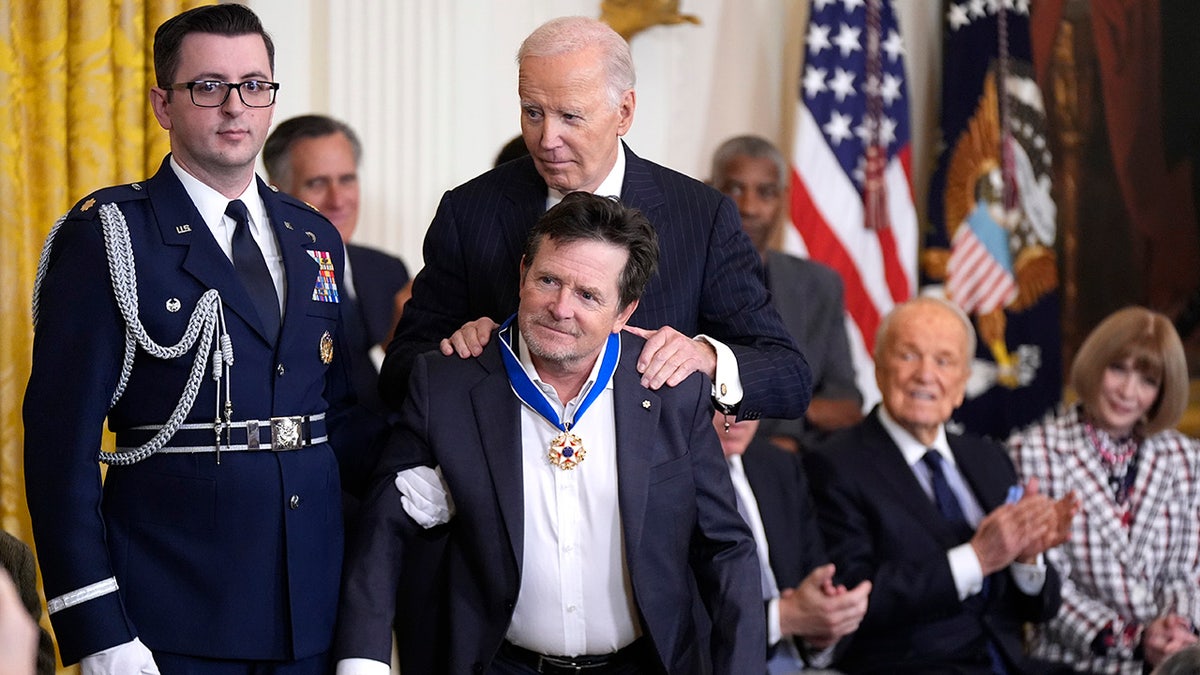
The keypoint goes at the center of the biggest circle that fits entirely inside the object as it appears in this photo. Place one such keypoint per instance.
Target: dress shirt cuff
(774, 632)
(1029, 577)
(363, 667)
(964, 566)
(727, 385)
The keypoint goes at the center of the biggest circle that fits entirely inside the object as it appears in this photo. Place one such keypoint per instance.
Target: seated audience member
(931, 518)
(316, 158)
(585, 514)
(1131, 569)
(807, 294)
(806, 612)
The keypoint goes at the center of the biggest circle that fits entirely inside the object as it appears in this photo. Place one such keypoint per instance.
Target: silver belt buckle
(285, 433)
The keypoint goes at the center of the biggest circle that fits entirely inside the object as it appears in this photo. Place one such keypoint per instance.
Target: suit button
(478, 667)
(294, 502)
(279, 369)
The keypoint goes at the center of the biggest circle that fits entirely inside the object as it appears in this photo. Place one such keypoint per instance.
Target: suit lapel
(638, 189)
(893, 473)
(637, 429)
(181, 225)
(499, 426)
(526, 202)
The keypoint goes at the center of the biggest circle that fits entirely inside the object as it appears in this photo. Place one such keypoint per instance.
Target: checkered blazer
(1112, 573)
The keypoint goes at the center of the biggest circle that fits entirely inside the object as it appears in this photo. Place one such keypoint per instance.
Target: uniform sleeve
(77, 353)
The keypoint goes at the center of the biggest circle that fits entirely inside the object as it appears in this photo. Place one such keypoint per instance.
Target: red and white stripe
(878, 267)
(974, 279)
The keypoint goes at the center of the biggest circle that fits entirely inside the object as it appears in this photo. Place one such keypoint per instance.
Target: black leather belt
(637, 652)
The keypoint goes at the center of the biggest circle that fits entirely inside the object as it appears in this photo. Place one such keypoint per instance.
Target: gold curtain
(74, 76)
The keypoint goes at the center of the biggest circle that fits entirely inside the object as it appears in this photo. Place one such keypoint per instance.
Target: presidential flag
(990, 247)
(851, 185)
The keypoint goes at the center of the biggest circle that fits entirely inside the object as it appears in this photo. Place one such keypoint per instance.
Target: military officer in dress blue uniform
(198, 312)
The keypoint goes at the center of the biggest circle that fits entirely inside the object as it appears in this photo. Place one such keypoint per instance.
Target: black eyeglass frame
(273, 87)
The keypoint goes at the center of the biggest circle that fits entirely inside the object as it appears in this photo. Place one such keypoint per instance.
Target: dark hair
(582, 216)
(277, 151)
(223, 19)
(513, 149)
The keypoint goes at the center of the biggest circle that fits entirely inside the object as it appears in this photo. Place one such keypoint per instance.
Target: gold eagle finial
(630, 17)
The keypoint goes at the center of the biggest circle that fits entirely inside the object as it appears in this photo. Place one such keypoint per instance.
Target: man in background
(807, 613)
(808, 295)
(935, 520)
(316, 158)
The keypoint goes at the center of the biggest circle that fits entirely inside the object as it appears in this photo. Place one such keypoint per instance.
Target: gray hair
(885, 326)
(754, 147)
(569, 34)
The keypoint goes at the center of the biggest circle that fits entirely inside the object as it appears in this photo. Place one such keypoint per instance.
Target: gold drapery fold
(74, 76)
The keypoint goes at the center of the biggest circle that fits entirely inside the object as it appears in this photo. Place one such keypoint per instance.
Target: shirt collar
(212, 204)
(609, 187)
(912, 449)
(527, 364)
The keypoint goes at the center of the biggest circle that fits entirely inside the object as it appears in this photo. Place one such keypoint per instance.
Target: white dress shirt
(964, 564)
(212, 204)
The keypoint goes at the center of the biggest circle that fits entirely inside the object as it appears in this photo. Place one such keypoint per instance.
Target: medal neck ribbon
(532, 396)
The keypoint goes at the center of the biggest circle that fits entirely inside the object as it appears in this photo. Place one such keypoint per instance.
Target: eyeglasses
(213, 93)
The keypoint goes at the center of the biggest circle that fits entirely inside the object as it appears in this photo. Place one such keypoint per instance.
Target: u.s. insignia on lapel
(325, 289)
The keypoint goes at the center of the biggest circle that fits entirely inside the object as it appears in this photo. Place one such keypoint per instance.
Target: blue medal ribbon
(532, 396)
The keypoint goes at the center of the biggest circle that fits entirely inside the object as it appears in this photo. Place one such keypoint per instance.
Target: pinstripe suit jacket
(1112, 573)
(709, 278)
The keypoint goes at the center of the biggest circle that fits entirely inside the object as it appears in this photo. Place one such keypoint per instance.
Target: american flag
(979, 275)
(851, 191)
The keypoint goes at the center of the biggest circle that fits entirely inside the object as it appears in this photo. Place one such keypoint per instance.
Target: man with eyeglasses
(198, 311)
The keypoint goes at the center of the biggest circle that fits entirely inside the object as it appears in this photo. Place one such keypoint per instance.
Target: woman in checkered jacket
(1131, 568)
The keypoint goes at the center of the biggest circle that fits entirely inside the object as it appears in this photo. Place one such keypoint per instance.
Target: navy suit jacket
(682, 532)
(879, 524)
(238, 560)
(709, 277)
(377, 278)
(808, 296)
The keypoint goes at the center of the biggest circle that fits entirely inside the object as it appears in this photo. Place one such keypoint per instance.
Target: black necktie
(943, 496)
(252, 269)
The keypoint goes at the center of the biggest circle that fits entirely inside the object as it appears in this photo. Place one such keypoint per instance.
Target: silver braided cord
(206, 320)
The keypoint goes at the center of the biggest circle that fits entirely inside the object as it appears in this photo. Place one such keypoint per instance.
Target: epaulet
(87, 207)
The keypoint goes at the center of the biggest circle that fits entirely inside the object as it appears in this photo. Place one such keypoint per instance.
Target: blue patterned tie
(252, 269)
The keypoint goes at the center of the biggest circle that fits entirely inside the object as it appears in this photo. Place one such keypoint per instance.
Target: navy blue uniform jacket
(682, 531)
(237, 560)
(709, 280)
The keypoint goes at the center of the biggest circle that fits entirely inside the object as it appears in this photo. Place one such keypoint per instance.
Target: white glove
(425, 496)
(131, 658)
(363, 667)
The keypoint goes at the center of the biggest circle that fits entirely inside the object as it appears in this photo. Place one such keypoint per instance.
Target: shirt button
(280, 370)
(570, 609)
(294, 502)
(568, 548)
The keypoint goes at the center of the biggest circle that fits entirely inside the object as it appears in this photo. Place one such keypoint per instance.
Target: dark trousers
(178, 664)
